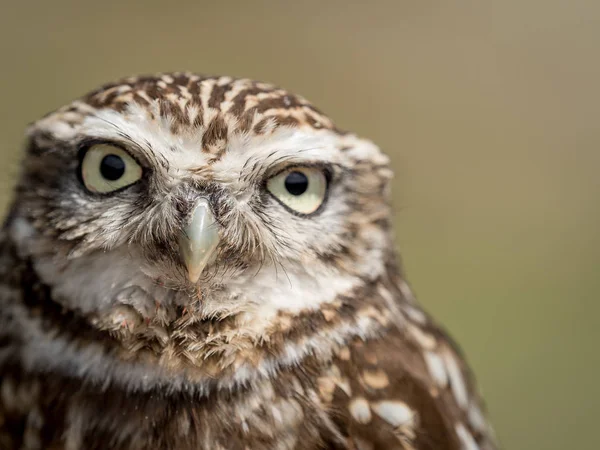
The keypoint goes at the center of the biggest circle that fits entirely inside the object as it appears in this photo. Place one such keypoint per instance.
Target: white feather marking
(466, 438)
(424, 339)
(457, 382)
(395, 413)
(476, 418)
(360, 410)
(436, 368)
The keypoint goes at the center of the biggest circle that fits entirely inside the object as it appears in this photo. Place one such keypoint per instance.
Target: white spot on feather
(436, 368)
(425, 340)
(457, 382)
(466, 438)
(476, 418)
(415, 314)
(359, 408)
(394, 412)
(406, 291)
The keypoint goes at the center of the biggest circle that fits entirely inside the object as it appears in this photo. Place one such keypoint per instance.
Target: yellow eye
(107, 168)
(302, 189)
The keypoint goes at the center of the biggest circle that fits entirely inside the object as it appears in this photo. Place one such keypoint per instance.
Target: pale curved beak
(198, 240)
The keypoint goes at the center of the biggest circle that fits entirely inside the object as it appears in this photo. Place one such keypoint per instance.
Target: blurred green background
(489, 111)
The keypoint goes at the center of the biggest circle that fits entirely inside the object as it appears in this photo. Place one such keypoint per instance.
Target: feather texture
(301, 333)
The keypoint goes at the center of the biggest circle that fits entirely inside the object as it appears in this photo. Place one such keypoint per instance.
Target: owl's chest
(42, 412)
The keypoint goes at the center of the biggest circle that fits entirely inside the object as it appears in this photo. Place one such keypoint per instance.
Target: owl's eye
(302, 189)
(106, 168)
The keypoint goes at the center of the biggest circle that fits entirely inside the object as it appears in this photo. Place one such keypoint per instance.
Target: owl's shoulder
(408, 389)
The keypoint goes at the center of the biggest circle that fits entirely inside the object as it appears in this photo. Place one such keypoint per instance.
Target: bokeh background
(489, 110)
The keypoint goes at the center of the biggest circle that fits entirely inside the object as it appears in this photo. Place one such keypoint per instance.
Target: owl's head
(176, 190)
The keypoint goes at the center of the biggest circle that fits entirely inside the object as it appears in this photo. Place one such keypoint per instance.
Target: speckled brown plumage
(301, 333)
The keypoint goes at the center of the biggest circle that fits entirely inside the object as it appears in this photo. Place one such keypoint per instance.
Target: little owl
(197, 262)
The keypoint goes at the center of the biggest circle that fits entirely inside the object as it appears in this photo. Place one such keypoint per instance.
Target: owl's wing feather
(410, 389)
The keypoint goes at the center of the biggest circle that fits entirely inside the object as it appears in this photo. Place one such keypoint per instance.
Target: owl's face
(177, 190)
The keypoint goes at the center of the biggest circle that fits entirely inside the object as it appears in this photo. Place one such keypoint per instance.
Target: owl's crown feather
(220, 104)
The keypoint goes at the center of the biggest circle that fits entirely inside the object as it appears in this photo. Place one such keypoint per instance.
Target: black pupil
(296, 183)
(112, 167)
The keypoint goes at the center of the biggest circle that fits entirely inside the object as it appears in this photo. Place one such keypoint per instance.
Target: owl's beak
(198, 240)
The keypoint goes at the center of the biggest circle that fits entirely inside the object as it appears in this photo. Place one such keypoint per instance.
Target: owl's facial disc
(198, 240)
(223, 206)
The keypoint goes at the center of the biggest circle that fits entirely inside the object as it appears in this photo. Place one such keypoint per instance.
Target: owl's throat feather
(179, 346)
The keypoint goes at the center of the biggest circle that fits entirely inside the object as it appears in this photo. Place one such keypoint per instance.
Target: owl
(195, 262)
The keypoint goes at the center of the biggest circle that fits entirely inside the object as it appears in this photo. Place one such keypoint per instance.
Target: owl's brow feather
(262, 165)
(145, 147)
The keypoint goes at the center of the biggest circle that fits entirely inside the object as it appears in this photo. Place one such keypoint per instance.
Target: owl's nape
(207, 262)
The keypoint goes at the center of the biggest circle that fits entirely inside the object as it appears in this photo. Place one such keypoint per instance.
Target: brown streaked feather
(234, 99)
